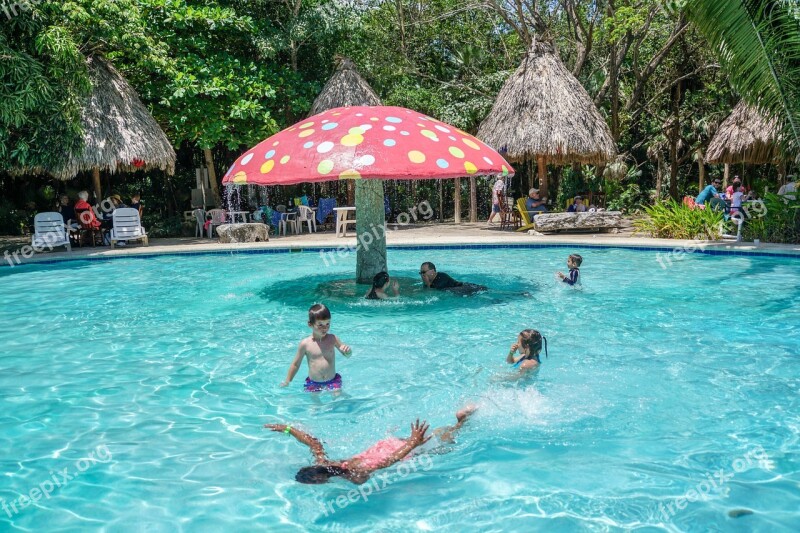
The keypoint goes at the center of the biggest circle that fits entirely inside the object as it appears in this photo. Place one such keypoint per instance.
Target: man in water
(442, 281)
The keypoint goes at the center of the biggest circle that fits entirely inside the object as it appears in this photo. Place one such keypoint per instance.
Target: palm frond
(758, 44)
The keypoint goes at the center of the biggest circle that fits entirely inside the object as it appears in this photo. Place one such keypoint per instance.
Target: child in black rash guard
(573, 263)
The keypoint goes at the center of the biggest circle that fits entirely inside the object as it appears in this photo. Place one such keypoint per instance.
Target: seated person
(380, 283)
(442, 281)
(577, 205)
(136, 203)
(84, 212)
(534, 204)
(789, 189)
(709, 192)
(66, 210)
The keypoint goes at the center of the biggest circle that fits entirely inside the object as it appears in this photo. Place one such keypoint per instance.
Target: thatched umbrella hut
(543, 112)
(347, 88)
(746, 136)
(119, 133)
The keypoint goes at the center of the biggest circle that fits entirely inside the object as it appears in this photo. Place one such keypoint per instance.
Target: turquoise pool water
(140, 386)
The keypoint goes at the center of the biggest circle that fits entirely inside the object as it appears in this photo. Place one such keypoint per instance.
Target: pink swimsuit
(375, 454)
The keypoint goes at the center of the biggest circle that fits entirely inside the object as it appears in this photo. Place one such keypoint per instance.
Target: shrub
(780, 223)
(673, 220)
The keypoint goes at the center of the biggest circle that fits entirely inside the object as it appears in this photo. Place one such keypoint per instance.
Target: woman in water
(382, 454)
(380, 283)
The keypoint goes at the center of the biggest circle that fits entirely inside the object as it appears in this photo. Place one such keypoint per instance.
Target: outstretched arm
(416, 439)
(307, 439)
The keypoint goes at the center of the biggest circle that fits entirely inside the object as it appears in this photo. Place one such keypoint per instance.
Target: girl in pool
(529, 345)
(380, 283)
(382, 454)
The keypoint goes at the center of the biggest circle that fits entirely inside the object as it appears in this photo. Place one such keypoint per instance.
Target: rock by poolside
(250, 232)
(578, 221)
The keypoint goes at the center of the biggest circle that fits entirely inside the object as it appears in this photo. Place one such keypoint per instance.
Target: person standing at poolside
(498, 189)
(318, 349)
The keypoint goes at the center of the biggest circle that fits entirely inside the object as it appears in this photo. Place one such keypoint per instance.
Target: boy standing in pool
(574, 264)
(318, 350)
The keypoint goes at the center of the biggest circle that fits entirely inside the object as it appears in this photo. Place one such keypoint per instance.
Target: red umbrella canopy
(370, 142)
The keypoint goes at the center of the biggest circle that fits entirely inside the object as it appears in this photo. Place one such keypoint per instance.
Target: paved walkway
(410, 235)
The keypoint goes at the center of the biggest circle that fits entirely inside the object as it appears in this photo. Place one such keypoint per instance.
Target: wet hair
(318, 474)
(379, 280)
(577, 259)
(318, 312)
(532, 340)
(428, 265)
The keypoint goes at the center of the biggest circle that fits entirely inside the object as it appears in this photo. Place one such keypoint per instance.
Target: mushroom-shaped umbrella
(366, 142)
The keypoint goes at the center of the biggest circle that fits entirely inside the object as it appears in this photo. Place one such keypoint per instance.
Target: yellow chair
(523, 213)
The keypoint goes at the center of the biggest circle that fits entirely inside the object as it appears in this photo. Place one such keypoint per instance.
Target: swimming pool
(137, 390)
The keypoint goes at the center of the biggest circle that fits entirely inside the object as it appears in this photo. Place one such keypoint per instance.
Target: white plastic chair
(287, 219)
(127, 226)
(49, 231)
(306, 214)
(200, 219)
(217, 219)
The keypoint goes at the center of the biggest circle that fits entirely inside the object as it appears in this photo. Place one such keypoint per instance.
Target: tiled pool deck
(445, 235)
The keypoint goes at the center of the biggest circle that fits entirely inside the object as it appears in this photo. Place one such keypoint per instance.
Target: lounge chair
(523, 214)
(127, 226)
(49, 231)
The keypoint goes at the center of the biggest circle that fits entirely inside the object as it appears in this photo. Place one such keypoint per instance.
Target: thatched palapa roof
(746, 136)
(543, 110)
(345, 88)
(120, 134)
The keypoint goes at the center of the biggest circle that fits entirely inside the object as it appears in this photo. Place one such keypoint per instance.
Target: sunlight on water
(657, 378)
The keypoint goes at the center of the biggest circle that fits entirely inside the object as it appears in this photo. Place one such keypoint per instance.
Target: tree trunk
(725, 177)
(212, 177)
(659, 174)
(701, 165)
(674, 139)
(542, 164)
(370, 230)
(457, 201)
(473, 200)
(98, 190)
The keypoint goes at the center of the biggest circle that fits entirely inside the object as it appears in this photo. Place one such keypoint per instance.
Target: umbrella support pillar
(725, 177)
(542, 164)
(473, 200)
(370, 230)
(98, 189)
(457, 201)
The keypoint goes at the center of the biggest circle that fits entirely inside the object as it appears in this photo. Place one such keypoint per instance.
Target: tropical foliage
(221, 75)
(673, 220)
(779, 221)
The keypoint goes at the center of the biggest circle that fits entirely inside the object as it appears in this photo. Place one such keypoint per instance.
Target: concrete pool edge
(332, 246)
